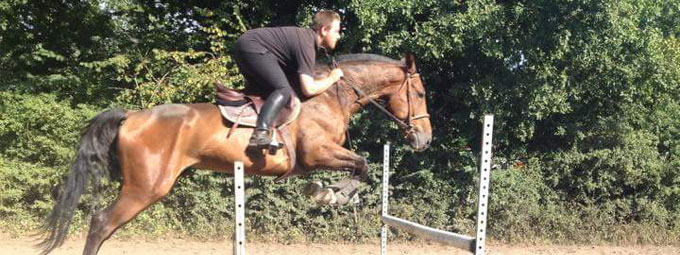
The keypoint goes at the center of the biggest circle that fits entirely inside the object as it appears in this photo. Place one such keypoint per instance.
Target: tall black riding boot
(275, 102)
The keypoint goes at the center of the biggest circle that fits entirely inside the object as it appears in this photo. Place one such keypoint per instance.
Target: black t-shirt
(294, 47)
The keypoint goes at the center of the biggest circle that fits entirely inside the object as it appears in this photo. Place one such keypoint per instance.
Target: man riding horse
(268, 56)
(151, 148)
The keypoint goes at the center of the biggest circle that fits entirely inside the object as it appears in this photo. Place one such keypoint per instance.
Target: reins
(407, 127)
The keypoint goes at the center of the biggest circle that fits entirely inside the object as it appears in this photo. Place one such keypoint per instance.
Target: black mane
(366, 57)
(362, 57)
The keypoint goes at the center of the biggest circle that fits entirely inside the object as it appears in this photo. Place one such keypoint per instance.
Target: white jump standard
(472, 244)
(239, 209)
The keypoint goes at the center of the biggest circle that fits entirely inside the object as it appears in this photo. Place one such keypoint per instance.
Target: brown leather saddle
(242, 109)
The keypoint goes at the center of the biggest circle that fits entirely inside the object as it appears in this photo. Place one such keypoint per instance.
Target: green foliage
(629, 175)
(586, 96)
(25, 192)
(543, 216)
(548, 216)
(38, 137)
(169, 77)
(40, 129)
(42, 42)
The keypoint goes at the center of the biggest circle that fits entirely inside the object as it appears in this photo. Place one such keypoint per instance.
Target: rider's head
(327, 27)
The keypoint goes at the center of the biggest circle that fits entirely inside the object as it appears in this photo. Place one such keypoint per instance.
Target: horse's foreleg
(336, 157)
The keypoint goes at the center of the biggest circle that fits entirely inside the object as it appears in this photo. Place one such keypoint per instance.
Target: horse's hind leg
(134, 197)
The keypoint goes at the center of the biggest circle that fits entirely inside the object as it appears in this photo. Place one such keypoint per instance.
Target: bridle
(407, 126)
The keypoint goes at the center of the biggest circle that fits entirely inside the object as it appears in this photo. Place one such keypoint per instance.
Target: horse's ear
(410, 63)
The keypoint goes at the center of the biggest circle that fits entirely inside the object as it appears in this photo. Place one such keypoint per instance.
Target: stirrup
(258, 141)
(274, 145)
(271, 144)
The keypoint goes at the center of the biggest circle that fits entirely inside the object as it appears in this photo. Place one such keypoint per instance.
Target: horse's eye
(421, 94)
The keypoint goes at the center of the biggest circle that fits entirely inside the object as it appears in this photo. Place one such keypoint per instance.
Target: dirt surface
(185, 247)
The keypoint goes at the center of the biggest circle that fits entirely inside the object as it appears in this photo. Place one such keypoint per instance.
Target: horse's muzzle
(419, 140)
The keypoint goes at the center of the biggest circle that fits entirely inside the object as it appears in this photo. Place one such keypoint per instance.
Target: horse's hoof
(343, 199)
(326, 197)
(355, 199)
(313, 188)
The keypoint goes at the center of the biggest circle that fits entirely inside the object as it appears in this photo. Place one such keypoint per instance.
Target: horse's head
(408, 103)
(394, 82)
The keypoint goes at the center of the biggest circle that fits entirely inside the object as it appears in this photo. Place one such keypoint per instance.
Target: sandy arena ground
(185, 247)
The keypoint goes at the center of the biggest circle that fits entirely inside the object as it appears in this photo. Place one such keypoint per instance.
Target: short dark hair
(324, 18)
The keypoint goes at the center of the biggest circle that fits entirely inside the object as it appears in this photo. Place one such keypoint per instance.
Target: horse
(149, 149)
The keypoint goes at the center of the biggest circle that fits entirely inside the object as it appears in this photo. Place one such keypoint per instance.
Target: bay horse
(150, 148)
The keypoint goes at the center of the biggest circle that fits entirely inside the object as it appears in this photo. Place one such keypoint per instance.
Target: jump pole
(239, 208)
(472, 244)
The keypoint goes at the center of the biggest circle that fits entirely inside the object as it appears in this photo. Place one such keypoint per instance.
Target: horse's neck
(372, 80)
(344, 95)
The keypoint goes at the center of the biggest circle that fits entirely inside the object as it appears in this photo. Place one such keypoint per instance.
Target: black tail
(93, 159)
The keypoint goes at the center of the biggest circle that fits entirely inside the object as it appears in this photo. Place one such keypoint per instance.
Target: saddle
(242, 109)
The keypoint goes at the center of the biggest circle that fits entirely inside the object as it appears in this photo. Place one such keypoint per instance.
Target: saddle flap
(246, 114)
(229, 97)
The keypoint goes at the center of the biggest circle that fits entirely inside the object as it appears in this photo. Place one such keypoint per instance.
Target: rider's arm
(313, 87)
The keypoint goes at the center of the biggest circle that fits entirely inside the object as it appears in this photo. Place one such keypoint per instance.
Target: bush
(25, 193)
(37, 143)
(39, 128)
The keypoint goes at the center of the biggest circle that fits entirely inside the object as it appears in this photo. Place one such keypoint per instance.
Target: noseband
(411, 118)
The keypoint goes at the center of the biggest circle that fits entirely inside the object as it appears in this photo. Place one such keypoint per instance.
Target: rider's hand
(337, 74)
